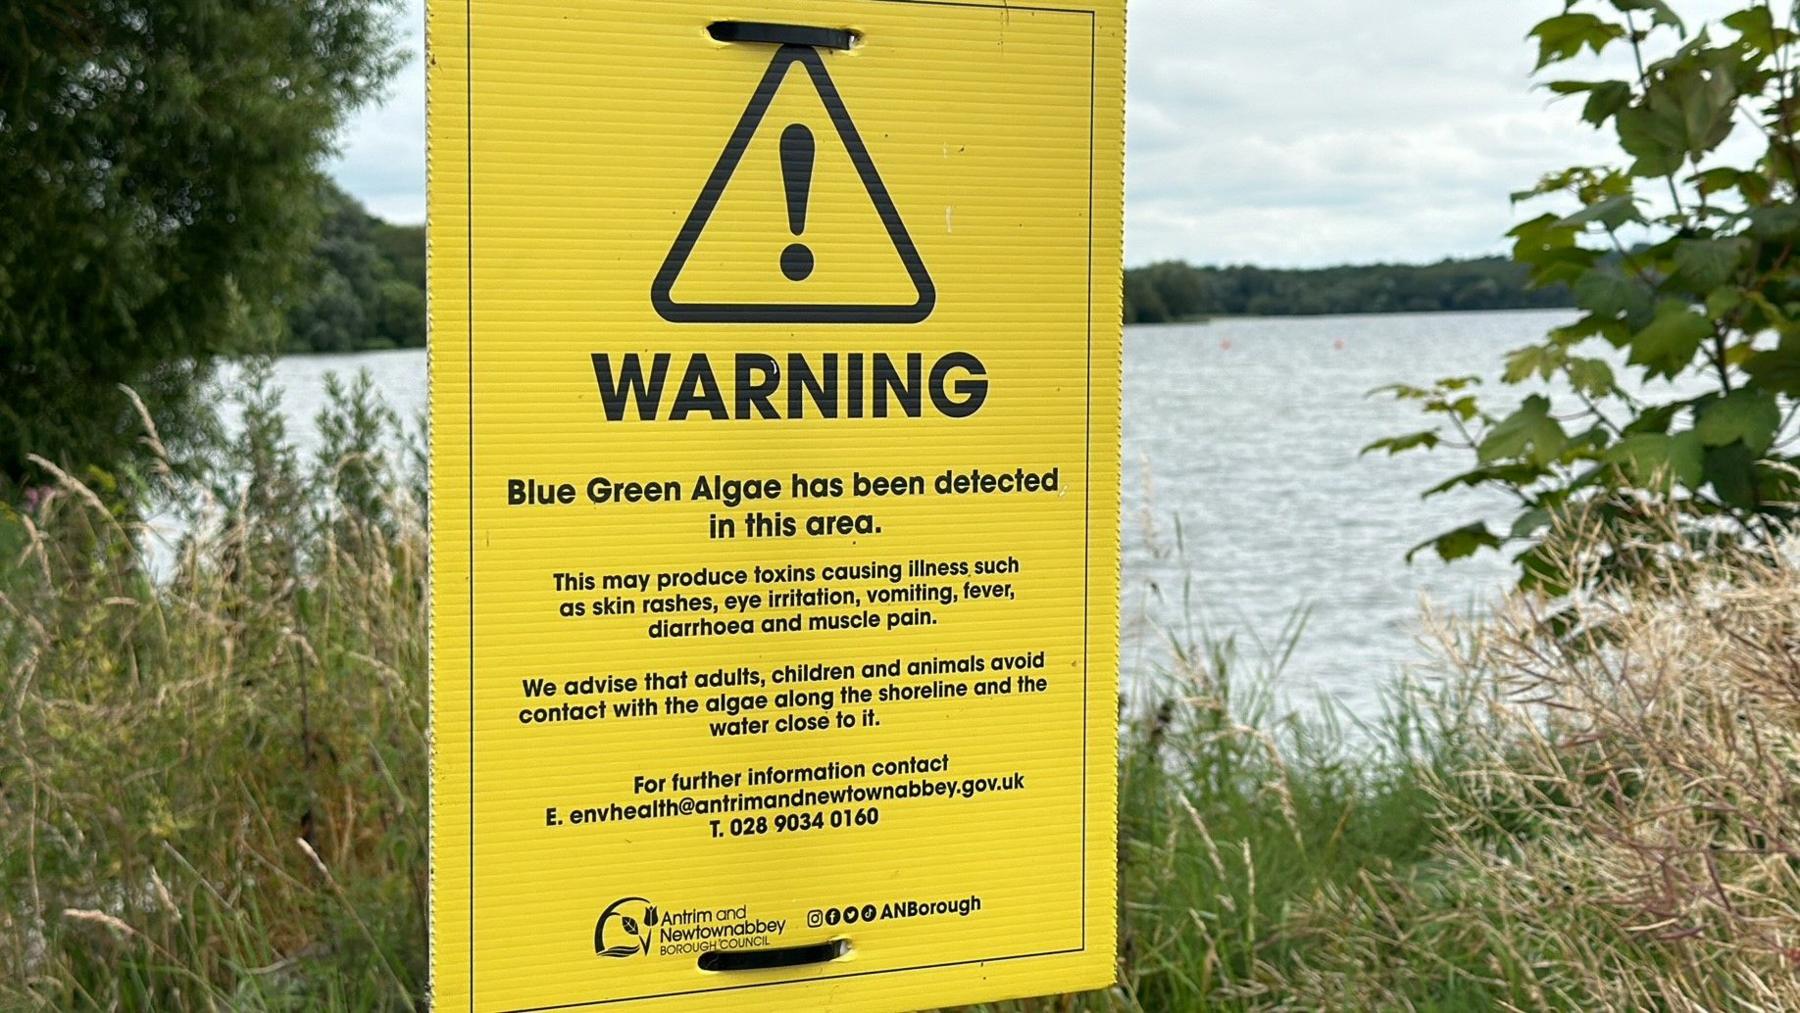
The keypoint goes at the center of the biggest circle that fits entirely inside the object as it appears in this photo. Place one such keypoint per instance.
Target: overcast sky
(1275, 132)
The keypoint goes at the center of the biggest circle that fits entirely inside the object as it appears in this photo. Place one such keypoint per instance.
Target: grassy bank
(1604, 820)
(212, 779)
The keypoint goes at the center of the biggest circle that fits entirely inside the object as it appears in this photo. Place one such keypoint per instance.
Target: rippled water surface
(1243, 436)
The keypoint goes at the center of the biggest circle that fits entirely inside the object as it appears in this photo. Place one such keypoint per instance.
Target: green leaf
(1731, 471)
(1745, 414)
(1656, 139)
(1778, 369)
(1561, 37)
(1516, 476)
(1593, 325)
(1399, 444)
(1755, 187)
(1705, 264)
(1706, 104)
(1553, 182)
(1562, 267)
(1653, 460)
(1401, 392)
(1613, 212)
(1687, 111)
(1542, 360)
(1607, 293)
(1778, 223)
(1660, 12)
(1669, 344)
(1545, 232)
(1587, 444)
(1458, 544)
(1756, 26)
(1529, 433)
(1464, 408)
(1605, 99)
(1656, 419)
(1530, 522)
(1593, 377)
(1720, 302)
(1548, 247)
(1717, 180)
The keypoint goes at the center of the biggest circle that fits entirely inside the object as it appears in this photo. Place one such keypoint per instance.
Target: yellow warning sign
(775, 474)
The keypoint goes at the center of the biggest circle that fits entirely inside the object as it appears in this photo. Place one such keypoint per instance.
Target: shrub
(1683, 265)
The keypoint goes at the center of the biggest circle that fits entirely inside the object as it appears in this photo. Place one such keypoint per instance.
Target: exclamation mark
(796, 177)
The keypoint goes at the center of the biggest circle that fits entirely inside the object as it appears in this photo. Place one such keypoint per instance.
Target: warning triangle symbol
(797, 260)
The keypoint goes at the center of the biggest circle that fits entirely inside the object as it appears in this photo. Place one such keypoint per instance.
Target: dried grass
(1625, 831)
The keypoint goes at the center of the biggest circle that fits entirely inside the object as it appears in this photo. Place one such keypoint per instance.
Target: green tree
(1142, 303)
(330, 318)
(400, 314)
(402, 246)
(1684, 266)
(363, 287)
(157, 167)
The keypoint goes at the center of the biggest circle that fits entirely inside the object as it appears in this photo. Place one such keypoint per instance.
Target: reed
(212, 752)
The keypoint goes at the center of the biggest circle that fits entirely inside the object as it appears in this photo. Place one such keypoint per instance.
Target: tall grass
(212, 779)
(213, 775)
(1593, 807)
(1238, 816)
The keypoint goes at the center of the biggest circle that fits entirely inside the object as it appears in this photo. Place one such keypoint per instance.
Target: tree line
(363, 287)
(1173, 290)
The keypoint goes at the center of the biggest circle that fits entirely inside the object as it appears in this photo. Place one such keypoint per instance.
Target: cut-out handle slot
(782, 35)
(787, 956)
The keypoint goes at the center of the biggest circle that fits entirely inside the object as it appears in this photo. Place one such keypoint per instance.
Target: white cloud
(1277, 132)
(381, 156)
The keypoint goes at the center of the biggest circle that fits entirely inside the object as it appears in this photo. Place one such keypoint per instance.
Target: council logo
(624, 928)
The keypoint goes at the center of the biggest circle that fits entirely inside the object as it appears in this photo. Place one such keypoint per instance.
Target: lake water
(1243, 435)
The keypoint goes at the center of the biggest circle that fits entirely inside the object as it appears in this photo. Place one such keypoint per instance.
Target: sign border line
(469, 316)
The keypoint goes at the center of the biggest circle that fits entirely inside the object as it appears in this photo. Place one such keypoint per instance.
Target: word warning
(775, 481)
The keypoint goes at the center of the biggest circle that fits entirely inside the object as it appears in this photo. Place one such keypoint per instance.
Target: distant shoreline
(366, 287)
(1231, 317)
(1215, 319)
(1174, 291)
